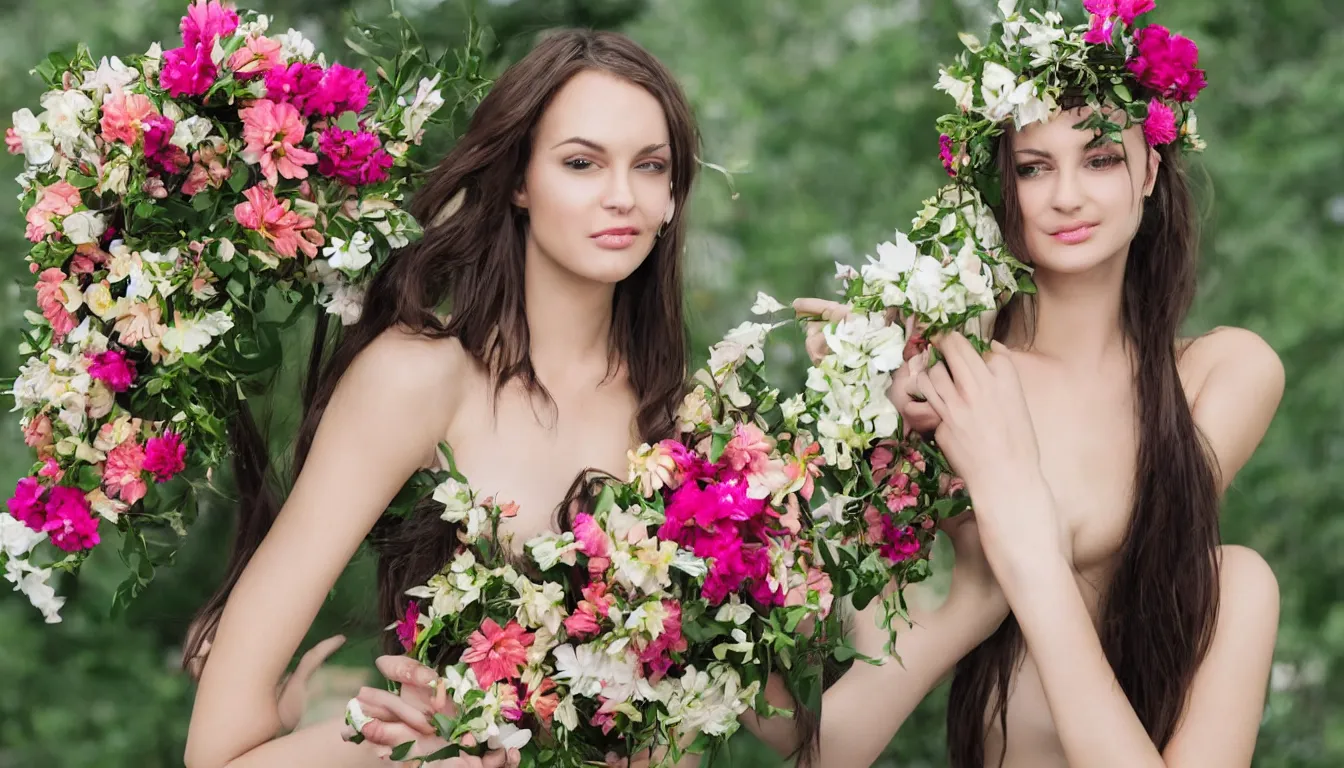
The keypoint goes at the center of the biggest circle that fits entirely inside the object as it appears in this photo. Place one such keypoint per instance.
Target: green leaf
(1122, 92)
(400, 751)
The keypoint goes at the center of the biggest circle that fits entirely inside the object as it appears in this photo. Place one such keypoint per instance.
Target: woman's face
(1080, 204)
(598, 184)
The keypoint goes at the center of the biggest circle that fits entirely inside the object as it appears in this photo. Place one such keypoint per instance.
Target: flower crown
(1147, 76)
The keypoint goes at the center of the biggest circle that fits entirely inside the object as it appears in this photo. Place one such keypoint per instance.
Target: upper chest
(521, 448)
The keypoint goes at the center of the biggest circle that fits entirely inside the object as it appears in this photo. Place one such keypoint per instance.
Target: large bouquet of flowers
(184, 206)
(654, 622)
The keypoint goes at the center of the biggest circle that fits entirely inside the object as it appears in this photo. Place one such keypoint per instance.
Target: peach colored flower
(256, 56)
(37, 434)
(273, 131)
(288, 231)
(55, 300)
(141, 325)
(121, 474)
(122, 115)
(208, 169)
(59, 199)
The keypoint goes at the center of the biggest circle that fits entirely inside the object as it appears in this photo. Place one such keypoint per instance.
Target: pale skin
(1045, 436)
(405, 394)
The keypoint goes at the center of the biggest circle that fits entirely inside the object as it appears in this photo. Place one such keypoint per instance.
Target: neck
(568, 317)
(1077, 316)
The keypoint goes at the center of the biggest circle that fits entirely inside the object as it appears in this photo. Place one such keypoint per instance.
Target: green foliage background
(824, 112)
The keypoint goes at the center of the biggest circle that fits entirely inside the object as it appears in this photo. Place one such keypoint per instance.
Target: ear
(520, 196)
(671, 211)
(1154, 162)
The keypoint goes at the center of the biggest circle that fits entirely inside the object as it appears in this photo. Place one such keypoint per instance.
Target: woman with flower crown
(1094, 619)
(553, 235)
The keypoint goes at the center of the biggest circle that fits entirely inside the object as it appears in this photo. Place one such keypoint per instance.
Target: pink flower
(593, 542)
(59, 199)
(159, 150)
(817, 581)
(207, 20)
(71, 526)
(582, 623)
(257, 57)
(27, 505)
(543, 699)
(1160, 127)
(123, 114)
(343, 90)
(748, 450)
(121, 473)
(51, 470)
(140, 325)
(208, 169)
(293, 84)
(38, 433)
(113, 369)
(51, 300)
(165, 456)
(1166, 63)
(355, 158)
(13, 142)
(899, 542)
(945, 153)
(657, 656)
(188, 71)
(273, 131)
(1106, 12)
(496, 653)
(409, 626)
(287, 231)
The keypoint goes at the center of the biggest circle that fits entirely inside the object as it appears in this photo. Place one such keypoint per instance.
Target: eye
(653, 166)
(579, 164)
(1102, 162)
(1030, 171)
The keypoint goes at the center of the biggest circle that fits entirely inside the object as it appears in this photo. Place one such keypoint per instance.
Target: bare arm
(384, 420)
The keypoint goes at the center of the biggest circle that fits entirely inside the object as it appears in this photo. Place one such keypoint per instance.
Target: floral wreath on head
(1146, 75)
(185, 207)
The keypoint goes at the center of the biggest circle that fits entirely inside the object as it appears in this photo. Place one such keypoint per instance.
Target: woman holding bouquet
(553, 235)
(1095, 443)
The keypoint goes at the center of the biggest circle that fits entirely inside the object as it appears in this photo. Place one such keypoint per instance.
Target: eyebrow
(1037, 152)
(648, 150)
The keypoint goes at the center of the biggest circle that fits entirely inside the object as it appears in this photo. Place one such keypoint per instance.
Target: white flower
(254, 27)
(590, 671)
(111, 75)
(510, 736)
(115, 176)
(83, 227)
(17, 539)
(1034, 109)
(745, 342)
(190, 335)
(427, 102)
(925, 289)
(1041, 39)
(694, 411)
(32, 582)
(550, 549)
(353, 254)
(68, 113)
(960, 89)
(37, 140)
(734, 611)
(793, 409)
(567, 714)
(893, 261)
(456, 498)
(709, 701)
(765, 304)
(1001, 91)
(346, 301)
(540, 606)
(647, 619)
(100, 503)
(845, 272)
(293, 45)
(974, 275)
(191, 131)
(866, 341)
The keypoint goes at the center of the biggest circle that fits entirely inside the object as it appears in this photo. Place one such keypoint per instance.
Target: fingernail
(427, 677)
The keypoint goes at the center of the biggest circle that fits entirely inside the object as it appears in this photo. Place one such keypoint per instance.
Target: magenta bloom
(1160, 127)
(898, 541)
(945, 153)
(27, 505)
(165, 456)
(318, 92)
(357, 158)
(161, 154)
(207, 20)
(188, 71)
(1167, 63)
(1106, 12)
(409, 626)
(342, 90)
(113, 369)
(69, 522)
(657, 656)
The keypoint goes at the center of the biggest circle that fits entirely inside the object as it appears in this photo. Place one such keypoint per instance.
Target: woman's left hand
(987, 435)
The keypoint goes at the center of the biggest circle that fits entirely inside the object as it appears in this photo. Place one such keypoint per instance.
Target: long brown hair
(1159, 610)
(472, 261)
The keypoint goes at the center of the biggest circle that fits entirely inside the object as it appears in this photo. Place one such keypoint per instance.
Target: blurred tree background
(823, 112)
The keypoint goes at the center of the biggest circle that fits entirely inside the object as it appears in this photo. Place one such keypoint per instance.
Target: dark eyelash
(571, 163)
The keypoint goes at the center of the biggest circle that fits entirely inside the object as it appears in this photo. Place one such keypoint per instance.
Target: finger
(400, 708)
(388, 734)
(920, 416)
(823, 308)
(931, 396)
(515, 758)
(496, 758)
(405, 670)
(316, 657)
(965, 364)
(945, 387)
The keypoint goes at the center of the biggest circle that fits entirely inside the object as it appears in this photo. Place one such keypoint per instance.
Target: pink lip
(1075, 235)
(616, 238)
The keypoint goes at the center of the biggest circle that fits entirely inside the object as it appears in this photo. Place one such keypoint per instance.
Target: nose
(1067, 195)
(618, 195)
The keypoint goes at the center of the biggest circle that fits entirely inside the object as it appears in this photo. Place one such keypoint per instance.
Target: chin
(606, 267)
(1057, 257)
